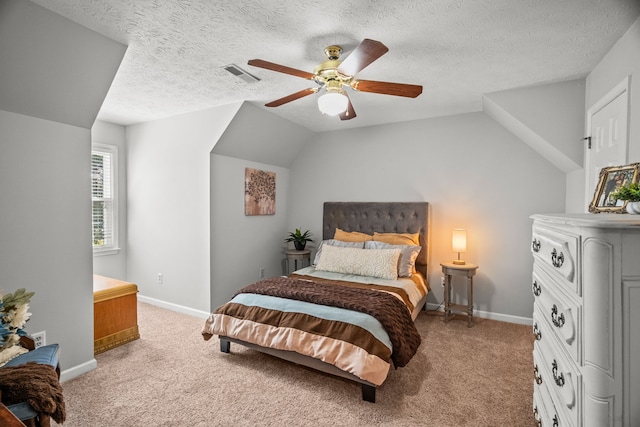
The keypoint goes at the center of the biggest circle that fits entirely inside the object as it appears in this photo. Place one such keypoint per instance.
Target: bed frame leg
(225, 346)
(369, 393)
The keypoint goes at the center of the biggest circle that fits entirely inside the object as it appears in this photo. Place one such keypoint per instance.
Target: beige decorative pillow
(382, 263)
(333, 242)
(398, 238)
(351, 236)
(408, 256)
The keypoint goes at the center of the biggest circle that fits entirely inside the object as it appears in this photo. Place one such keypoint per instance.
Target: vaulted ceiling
(457, 50)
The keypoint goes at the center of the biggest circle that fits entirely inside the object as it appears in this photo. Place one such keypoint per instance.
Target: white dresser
(586, 285)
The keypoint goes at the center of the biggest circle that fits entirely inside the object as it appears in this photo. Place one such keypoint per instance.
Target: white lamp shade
(459, 240)
(332, 103)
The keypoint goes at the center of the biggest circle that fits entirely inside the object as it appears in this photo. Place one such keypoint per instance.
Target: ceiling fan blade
(281, 68)
(292, 97)
(363, 55)
(349, 113)
(387, 88)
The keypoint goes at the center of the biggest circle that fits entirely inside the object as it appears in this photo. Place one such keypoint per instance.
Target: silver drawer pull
(536, 375)
(537, 417)
(536, 332)
(559, 379)
(558, 321)
(535, 245)
(557, 260)
(537, 290)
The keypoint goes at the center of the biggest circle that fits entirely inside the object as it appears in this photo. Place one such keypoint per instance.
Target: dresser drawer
(544, 411)
(557, 317)
(562, 379)
(558, 253)
(539, 411)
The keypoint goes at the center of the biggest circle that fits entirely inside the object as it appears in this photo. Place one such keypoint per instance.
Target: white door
(607, 120)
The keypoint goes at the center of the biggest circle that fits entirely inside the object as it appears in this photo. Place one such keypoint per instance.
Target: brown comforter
(386, 308)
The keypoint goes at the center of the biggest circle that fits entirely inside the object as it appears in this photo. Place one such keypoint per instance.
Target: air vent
(239, 72)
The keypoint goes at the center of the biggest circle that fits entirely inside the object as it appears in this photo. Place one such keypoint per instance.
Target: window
(104, 160)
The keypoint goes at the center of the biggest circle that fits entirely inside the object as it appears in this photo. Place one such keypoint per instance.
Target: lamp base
(459, 262)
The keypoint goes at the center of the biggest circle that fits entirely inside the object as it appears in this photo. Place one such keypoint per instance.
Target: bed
(352, 312)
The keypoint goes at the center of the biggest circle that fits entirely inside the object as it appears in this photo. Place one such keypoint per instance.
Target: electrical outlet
(39, 338)
(442, 280)
(262, 272)
(160, 278)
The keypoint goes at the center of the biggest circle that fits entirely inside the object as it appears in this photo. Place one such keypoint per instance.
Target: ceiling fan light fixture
(332, 103)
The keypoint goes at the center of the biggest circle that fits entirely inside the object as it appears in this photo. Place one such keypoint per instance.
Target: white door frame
(619, 89)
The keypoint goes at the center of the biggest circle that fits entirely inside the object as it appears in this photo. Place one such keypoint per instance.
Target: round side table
(467, 270)
(299, 259)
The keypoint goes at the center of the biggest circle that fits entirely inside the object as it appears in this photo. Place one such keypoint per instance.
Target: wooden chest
(115, 313)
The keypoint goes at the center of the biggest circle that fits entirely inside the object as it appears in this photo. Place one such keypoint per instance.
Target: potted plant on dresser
(631, 193)
(299, 239)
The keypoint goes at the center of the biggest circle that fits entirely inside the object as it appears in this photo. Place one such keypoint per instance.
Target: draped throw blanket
(38, 385)
(386, 308)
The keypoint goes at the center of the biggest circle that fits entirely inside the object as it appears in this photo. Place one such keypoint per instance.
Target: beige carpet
(480, 376)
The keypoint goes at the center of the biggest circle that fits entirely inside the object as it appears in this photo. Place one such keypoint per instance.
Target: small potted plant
(299, 238)
(631, 193)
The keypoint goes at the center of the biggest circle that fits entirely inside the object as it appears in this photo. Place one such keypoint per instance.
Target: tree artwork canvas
(259, 192)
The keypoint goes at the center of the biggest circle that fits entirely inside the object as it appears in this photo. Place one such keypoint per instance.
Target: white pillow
(334, 242)
(382, 263)
(408, 256)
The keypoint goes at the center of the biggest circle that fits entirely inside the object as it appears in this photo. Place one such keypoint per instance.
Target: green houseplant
(299, 238)
(631, 193)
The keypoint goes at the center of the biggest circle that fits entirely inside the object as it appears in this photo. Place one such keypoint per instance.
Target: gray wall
(114, 265)
(168, 205)
(45, 232)
(185, 179)
(53, 68)
(475, 174)
(242, 245)
(55, 75)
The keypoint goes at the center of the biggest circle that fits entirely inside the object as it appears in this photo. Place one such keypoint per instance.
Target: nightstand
(299, 258)
(468, 270)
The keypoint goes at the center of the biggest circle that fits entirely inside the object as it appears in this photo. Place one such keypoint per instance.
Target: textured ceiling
(457, 50)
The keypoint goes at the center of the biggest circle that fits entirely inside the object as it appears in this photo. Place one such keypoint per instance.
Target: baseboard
(83, 368)
(78, 370)
(489, 315)
(174, 307)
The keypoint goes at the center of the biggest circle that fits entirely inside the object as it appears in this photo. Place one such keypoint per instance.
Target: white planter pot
(633, 207)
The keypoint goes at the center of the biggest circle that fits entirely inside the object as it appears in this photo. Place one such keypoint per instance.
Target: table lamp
(459, 243)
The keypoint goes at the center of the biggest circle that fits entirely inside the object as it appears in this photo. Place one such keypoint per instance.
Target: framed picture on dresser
(611, 179)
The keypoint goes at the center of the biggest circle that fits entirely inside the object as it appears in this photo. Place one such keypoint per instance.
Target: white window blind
(103, 197)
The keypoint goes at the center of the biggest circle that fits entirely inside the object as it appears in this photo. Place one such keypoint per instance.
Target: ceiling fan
(333, 75)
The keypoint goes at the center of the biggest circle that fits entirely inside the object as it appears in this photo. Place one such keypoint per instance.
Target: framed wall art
(259, 192)
(612, 178)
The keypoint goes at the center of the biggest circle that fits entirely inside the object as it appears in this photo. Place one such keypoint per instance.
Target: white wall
(241, 245)
(475, 174)
(621, 61)
(168, 205)
(114, 265)
(45, 229)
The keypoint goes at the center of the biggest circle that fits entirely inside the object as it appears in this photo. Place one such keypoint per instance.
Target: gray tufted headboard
(383, 217)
